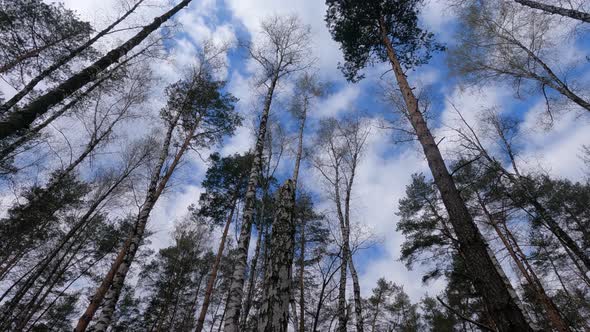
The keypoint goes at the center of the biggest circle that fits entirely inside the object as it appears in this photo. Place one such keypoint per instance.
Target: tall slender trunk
(103, 321)
(298, 158)
(151, 198)
(30, 134)
(232, 319)
(19, 120)
(520, 260)
(215, 268)
(62, 61)
(342, 306)
(37, 271)
(355, 280)
(112, 296)
(486, 275)
(253, 273)
(38, 299)
(274, 310)
(376, 313)
(356, 288)
(302, 279)
(188, 319)
(571, 13)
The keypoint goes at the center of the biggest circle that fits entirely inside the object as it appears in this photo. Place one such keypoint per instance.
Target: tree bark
(302, 280)
(302, 239)
(232, 317)
(252, 274)
(16, 122)
(274, 311)
(571, 13)
(62, 61)
(356, 288)
(486, 275)
(214, 269)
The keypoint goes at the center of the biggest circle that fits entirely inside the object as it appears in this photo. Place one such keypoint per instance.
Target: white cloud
(340, 102)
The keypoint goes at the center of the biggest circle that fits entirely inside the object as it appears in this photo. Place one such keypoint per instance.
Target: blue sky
(387, 166)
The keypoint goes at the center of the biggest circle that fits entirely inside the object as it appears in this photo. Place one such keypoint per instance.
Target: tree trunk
(302, 280)
(30, 54)
(252, 275)
(214, 269)
(342, 316)
(111, 298)
(19, 120)
(302, 239)
(376, 314)
(112, 295)
(356, 288)
(37, 271)
(487, 276)
(274, 311)
(156, 186)
(520, 260)
(30, 134)
(571, 13)
(62, 61)
(232, 319)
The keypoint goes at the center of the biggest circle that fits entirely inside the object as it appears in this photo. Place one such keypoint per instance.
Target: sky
(387, 166)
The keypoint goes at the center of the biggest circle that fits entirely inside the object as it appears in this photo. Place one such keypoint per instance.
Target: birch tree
(199, 115)
(341, 146)
(496, 45)
(18, 120)
(283, 48)
(572, 12)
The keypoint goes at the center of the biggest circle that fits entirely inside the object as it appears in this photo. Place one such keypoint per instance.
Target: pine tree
(390, 32)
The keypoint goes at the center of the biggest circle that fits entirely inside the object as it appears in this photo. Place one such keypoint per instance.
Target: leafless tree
(281, 49)
(503, 41)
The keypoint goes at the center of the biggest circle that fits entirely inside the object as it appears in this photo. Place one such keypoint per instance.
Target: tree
(494, 45)
(202, 115)
(483, 188)
(282, 50)
(571, 13)
(434, 316)
(174, 274)
(390, 32)
(20, 119)
(225, 182)
(526, 189)
(306, 89)
(34, 34)
(274, 311)
(341, 146)
(390, 309)
(63, 60)
(312, 236)
(65, 233)
(100, 126)
(125, 76)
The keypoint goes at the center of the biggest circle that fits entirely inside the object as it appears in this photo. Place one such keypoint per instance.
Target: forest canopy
(337, 165)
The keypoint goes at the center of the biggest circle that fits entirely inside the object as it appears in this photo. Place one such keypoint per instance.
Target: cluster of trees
(81, 178)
